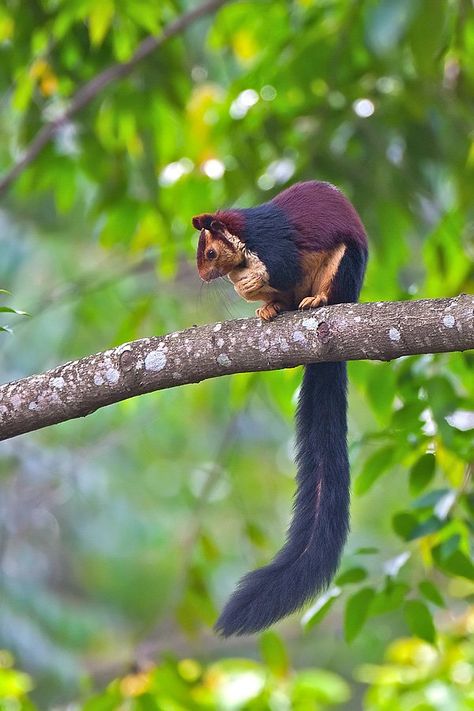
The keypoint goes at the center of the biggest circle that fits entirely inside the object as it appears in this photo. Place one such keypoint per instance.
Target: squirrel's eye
(211, 254)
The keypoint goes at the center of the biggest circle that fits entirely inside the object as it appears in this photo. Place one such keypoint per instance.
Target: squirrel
(305, 248)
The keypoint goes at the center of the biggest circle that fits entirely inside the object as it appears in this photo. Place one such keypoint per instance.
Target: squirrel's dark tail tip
(246, 612)
(264, 596)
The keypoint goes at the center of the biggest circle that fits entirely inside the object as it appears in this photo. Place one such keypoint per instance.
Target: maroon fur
(215, 222)
(234, 221)
(321, 214)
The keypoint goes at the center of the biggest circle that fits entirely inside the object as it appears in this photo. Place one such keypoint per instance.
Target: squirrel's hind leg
(323, 279)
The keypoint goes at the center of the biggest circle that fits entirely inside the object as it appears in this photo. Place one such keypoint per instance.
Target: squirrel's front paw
(312, 302)
(249, 283)
(268, 311)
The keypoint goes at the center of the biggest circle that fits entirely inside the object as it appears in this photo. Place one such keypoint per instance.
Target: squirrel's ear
(217, 226)
(203, 222)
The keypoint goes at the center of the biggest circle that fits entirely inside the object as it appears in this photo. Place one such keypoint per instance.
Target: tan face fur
(218, 254)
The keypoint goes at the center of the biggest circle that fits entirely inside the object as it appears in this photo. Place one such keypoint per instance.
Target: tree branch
(374, 331)
(89, 91)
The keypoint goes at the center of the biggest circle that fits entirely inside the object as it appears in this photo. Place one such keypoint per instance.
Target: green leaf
(431, 593)
(442, 397)
(376, 465)
(10, 310)
(422, 472)
(353, 575)
(274, 653)
(429, 501)
(426, 34)
(357, 610)
(381, 387)
(99, 21)
(390, 598)
(407, 418)
(419, 620)
(404, 524)
(320, 608)
(430, 525)
(457, 563)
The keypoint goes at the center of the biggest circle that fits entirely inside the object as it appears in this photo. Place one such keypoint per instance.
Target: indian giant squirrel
(305, 248)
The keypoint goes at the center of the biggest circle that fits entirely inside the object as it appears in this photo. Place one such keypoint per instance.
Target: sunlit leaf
(274, 653)
(99, 20)
(317, 685)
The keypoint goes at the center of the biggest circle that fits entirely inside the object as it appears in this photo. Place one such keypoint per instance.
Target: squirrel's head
(219, 251)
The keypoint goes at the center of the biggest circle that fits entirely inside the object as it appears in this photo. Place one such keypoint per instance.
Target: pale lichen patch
(263, 344)
(112, 375)
(16, 401)
(449, 320)
(299, 337)
(98, 379)
(155, 361)
(357, 319)
(394, 334)
(220, 342)
(33, 406)
(217, 327)
(57, 382)
(223, 359)
(310, 323)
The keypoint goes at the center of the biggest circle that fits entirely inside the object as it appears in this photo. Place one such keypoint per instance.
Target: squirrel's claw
(312, 302)
(268, 311)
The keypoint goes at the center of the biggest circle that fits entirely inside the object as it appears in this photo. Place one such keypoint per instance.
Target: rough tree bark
(375, 331)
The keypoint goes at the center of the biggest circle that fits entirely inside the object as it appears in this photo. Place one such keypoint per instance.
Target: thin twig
(95, 86)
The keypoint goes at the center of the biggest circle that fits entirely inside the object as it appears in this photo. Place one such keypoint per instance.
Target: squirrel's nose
(211, 274)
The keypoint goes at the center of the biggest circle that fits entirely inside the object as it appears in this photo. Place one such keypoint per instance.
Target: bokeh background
(122, 534)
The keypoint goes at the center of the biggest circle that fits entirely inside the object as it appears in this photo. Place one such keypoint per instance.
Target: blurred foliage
(121, 535)
(414, 676)
(9, 310)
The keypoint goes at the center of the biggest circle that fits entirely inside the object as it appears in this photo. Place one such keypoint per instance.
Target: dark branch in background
(94, 87)
(374, 331)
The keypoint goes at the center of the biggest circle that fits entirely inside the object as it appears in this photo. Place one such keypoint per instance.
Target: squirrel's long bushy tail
(317, 533)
